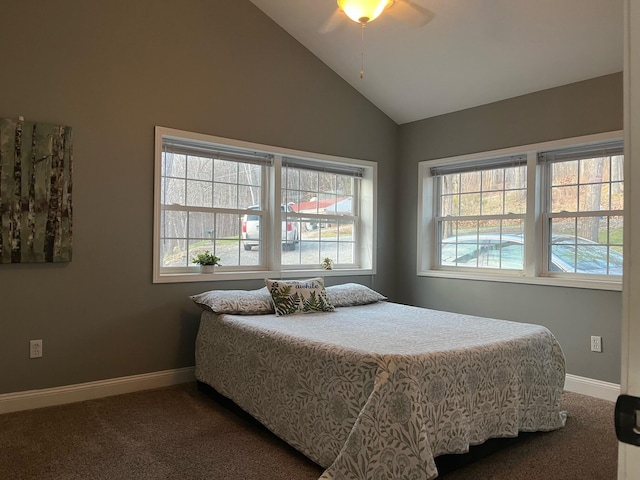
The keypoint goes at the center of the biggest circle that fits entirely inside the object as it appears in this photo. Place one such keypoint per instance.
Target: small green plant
(206, 258)
(327, 263)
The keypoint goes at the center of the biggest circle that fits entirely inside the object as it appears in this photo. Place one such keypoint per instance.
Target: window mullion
(436, 225)
(590, 213)
(532, 223)
(272, 238)
(462, 218)
(320, 216)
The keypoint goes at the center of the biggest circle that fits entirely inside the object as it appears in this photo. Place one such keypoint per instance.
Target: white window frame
(325, 217)
(547, 214)
(271, 262)
(439, 218)
(534, 251)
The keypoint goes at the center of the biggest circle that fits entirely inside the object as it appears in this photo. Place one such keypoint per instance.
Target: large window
(324, 211)
(262, 210)
(204, 196)
(583, 218)
(549, 213)
(480, 214)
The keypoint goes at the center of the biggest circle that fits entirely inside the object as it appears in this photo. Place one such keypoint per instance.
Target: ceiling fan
(366, 11)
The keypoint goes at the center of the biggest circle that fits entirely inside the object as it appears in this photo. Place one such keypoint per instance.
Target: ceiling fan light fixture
(364, 11)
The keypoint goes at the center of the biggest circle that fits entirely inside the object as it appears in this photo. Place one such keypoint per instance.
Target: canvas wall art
(35, 192)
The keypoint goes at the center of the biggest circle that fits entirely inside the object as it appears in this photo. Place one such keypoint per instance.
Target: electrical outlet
(35, 348)
(596, 344)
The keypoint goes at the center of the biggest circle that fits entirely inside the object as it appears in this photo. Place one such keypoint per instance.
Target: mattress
(380, 390)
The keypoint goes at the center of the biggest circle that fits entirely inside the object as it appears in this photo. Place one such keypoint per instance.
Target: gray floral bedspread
(377, 391)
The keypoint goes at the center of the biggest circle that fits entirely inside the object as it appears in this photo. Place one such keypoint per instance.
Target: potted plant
(207, 261)
(327, 263)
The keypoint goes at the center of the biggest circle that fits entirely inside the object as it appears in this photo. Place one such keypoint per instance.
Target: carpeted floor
(585, 449)
(182, 433)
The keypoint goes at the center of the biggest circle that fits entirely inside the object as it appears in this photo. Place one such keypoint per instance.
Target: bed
(378, 390)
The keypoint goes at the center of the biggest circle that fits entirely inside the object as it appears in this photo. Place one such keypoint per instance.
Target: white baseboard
(13, 402)
(27, 400)
(592, 388)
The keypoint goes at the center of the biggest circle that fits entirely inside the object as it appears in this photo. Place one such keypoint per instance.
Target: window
(584, 209)
(549, 213)
(324, 211)
(263, 211)
(480, 214)
(204, 194)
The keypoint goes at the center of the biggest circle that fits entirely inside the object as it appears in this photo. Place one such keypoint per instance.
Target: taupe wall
(113, 70)
(573, 315)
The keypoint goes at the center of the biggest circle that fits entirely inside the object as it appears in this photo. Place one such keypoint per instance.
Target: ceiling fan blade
(411, 13)
(333, 21)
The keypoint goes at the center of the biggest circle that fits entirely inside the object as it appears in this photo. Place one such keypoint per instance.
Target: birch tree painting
(35, 192)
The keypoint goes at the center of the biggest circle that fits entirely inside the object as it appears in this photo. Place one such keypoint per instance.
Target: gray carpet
(182, 433)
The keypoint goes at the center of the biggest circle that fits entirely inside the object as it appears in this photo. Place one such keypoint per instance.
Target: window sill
(515, 278)
(185, 277)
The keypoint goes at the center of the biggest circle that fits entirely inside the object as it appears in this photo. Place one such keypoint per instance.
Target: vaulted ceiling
(471, 52)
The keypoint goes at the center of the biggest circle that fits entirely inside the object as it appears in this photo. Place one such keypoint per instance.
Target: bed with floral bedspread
(378, 391)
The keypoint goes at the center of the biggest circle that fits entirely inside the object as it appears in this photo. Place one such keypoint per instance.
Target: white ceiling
(471, 53)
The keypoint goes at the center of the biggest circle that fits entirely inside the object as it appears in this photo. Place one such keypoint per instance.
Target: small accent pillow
(242, 302)
(351, 294)
(294, 296)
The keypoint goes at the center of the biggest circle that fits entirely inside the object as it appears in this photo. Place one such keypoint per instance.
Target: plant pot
(206, 268)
